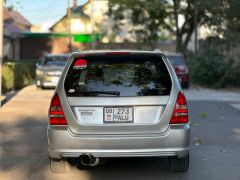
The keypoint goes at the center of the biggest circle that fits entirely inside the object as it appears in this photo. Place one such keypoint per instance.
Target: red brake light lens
(181, 69)
(180, 112)
(56, 114)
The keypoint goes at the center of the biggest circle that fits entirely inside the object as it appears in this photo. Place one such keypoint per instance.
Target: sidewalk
(31, 93)
(212, 95)
(29, 101)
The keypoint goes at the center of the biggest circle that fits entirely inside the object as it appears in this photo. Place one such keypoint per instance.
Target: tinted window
(177, 60)
(55, 60)
(115, 75)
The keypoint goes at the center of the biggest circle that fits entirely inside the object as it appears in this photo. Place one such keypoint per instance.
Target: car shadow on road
(131, 168)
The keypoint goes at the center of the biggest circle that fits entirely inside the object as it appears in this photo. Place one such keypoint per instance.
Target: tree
(147, 18)
(163, 15)
(232, 21)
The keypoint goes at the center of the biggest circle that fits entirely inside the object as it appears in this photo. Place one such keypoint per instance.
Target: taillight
(181, 69)
(180, 112)
(56, 114)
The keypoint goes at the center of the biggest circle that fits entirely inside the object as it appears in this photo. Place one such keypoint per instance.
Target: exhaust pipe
(89, 160)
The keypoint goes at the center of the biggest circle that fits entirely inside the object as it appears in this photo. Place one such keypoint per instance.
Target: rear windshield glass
(177, 60)
(55, 60)
(118, 75)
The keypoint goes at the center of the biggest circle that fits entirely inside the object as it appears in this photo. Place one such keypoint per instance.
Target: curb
(6, 97)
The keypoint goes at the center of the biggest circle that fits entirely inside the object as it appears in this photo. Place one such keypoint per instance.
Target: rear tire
(179, 164)
(38, 84)
(39, 87)
(59, 165)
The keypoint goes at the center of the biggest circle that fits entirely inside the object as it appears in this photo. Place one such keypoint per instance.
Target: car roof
(88, 52)
(56, 55)
(173, 54)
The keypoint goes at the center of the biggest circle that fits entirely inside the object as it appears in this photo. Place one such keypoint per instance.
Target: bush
(17, 75)
(24, 75)
(7, 77)
(209, 68)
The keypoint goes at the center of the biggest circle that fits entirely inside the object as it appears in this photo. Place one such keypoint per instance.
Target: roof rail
(77, 50)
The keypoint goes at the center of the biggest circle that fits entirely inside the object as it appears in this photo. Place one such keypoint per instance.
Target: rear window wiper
(116, 93)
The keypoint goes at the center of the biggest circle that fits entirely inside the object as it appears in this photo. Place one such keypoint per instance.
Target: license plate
(55, 79)
(118, 115)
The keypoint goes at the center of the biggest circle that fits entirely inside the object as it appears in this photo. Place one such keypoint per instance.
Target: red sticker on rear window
(80, 64)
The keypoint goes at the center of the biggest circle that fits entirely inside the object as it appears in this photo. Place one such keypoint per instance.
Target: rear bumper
(174, 142)
(48, 82)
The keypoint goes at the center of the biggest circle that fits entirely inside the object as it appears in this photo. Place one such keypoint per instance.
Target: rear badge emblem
(71, 90)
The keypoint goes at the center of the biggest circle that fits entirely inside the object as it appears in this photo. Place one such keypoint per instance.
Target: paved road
(215, 143)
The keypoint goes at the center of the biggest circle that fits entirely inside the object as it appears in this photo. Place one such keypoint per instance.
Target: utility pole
(1, 47)
(92, 25)
(69, 27)
(74, 4)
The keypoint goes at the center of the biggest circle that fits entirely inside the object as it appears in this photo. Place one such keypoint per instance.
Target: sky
(42, 12)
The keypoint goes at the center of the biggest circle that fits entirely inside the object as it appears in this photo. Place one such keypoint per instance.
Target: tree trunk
(178, 35)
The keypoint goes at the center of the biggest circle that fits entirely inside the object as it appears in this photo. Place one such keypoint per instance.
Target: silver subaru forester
(118, 104)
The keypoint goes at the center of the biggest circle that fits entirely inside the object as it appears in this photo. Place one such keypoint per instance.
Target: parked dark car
(179, 63)
(49, 70)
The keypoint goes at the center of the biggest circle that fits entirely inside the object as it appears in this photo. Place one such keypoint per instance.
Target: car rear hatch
(117, 93)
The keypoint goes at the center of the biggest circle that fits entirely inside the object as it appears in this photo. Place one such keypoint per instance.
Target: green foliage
(152, 19)
(24, 75)
(231, 21)
(7, 77)
(147, 17)
(209, 68)
(17, 75)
